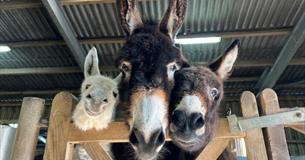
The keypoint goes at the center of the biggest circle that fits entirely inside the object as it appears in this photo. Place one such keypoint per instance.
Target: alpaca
(99, 97)
(196, 97)
(148, 61)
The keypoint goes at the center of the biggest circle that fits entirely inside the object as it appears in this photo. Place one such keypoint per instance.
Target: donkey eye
(115, 94)
(87, 86)
(214, 93)
(173, 68)
(125, 67)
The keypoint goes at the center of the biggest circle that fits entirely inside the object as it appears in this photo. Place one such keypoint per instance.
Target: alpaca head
(195, 100)
(99, 95)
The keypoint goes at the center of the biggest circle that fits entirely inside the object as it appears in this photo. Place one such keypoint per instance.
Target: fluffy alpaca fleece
(96, 108)
(81, 118)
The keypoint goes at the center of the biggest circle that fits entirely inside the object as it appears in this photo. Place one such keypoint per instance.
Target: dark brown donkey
(195, 101)
(148, 61)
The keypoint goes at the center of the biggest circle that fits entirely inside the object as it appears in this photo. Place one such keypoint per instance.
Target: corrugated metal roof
(26, 24)
(100, 21)
(292, 74)
(25, 57)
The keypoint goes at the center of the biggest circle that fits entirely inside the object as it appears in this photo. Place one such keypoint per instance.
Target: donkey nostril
(133, 137)
(196, 121)
(160, 139)
(178, 118)
(105, 100)
(89, 96)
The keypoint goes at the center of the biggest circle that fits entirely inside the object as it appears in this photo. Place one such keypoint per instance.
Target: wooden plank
(69, 151)
(50, 70)
(66, 31)
(299, 128)
(59, 126)
(275, 138)
(19, 4)
(254, 139)
(118, 132)
(294, 41)
(213, 150)
(27, 132)
(38, 92)
(95, 151)
(257, 63)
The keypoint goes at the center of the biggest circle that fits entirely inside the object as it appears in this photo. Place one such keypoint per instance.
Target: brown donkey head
(148, 61)
(195, 100)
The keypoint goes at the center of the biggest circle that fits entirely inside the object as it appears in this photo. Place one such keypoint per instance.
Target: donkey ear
(223, 66)
(129, 15)
(118, 79)
(173, 18)
(91, 63)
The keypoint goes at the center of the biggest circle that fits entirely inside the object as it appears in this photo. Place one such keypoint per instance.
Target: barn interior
(48, 41)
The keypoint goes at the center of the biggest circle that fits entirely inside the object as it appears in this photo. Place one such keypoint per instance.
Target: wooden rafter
(235, 34)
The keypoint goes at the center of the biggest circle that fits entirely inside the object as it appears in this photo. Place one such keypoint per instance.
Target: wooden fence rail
(62, 134)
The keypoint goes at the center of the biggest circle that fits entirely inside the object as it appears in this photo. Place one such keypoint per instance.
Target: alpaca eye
(87, 86)
(214, 93)
(105, 100)
(115, 94)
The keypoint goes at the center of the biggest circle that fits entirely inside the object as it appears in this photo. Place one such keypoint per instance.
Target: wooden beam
(254, 139)
(58, 130)
(95, 151)
(295, 40)
(49, 70)
(38, 92)
(20, 4)
(213, 150)
(66, 31)
(258, 63)
(62, 70)
(111, 40)
(275, 138)
(28, 130)
(118, 132)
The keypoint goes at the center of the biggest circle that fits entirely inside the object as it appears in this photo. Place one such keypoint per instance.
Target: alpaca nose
(196, 121)
(179, 119)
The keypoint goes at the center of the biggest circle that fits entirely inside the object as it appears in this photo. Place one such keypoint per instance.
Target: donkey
(148, 61)
(196, 97)
(99, 97)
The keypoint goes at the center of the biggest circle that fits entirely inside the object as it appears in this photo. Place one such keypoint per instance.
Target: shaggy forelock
(149, 51)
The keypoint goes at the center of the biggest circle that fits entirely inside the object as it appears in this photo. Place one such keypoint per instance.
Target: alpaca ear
(118, 79)
(223, 66)
(91, 63)
(173, 18)
(129, 15)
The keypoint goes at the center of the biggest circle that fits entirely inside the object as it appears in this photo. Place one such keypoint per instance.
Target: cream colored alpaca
(99, 96)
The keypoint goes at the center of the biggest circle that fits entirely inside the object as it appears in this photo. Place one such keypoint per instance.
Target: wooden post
(28, 128)
(213, 149)
(275, 138)
(95, 151)
(59, 127)
(254, 139)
